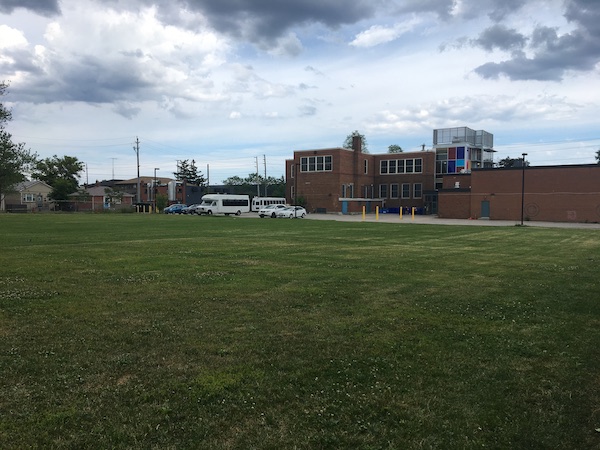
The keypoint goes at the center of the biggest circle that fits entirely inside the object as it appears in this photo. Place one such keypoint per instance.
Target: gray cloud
(42, 7)
(500, 37)
(269, 19)
(553, 55)
(468, 9)
(87, 79)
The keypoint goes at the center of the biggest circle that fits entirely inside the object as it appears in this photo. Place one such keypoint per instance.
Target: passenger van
(260, 202)
(224, 204)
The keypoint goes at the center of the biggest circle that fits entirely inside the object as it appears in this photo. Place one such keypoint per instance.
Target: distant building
(100, 198)
(27, 196)
(455, 179)
(346, 180)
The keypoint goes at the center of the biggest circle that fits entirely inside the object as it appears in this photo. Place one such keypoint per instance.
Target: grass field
(153, 331)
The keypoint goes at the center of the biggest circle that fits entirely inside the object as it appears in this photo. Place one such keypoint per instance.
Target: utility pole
(257, 183)
(522, 186)
(136, 149)
(113, 168)
(265, 163)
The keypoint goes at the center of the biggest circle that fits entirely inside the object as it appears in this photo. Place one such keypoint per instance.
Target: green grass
(153, 331)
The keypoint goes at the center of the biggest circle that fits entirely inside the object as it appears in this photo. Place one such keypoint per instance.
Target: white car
(291, 212)
(270, 210)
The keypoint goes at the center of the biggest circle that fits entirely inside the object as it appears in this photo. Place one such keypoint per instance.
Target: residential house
(27, 196)
(100, 198)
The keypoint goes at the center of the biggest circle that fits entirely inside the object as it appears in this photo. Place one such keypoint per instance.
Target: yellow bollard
(400, 212)
(377, 213)
(413, 213)
(364, 212)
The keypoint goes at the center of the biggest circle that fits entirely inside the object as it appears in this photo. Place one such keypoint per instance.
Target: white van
(224, 204)
(260, 202)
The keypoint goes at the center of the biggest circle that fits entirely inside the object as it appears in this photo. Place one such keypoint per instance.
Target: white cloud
(377, 34)
(11, 37)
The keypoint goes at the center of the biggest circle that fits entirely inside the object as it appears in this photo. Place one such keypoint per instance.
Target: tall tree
(62, 174)
(395, 149)
(188, 172)
(15, 160)
(363, 139)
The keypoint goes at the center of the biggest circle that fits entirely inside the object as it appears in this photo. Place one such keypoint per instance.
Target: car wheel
(209, 212)
(273, 215)
(302, 216)
(238, 213)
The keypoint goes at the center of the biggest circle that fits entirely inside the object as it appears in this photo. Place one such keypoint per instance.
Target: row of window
(316, 164)
(387, 167)
(396, 190)
(392, 166)
(30, 198)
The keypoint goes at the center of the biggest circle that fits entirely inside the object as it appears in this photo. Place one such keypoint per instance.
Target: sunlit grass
(127, 331)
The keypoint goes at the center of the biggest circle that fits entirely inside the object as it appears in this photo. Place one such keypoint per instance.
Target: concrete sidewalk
(434, 220)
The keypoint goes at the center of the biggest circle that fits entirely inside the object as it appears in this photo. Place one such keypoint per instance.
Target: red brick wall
(553, 193)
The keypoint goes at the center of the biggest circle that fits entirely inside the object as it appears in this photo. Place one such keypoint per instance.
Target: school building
(454, 179)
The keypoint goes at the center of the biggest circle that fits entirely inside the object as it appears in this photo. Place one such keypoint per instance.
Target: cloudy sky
(230, 83)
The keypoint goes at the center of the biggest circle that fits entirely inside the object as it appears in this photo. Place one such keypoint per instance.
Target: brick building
(455, 179)
(549, 193)
(344, 180)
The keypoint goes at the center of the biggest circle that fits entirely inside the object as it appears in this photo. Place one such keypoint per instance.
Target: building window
(401, 166)
(393, 166)
(293, 192)
(394, 190)
(347, 191)
(28, 198)
(383, 191)
(383, 168)
(417, 190)
(405, 190)
(366, 166)
(292, 170)
(418, 165)
(316, 164)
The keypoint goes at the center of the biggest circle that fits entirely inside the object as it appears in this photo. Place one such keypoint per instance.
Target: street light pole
(523, 187)
(155, 169)
(136, 149)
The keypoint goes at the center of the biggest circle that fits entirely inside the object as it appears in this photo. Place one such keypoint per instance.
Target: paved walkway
(429, 219)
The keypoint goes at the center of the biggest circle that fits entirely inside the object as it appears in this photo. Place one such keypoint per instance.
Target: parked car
(270, 210)
(175, 208)
(192, 209)
(291, 212)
